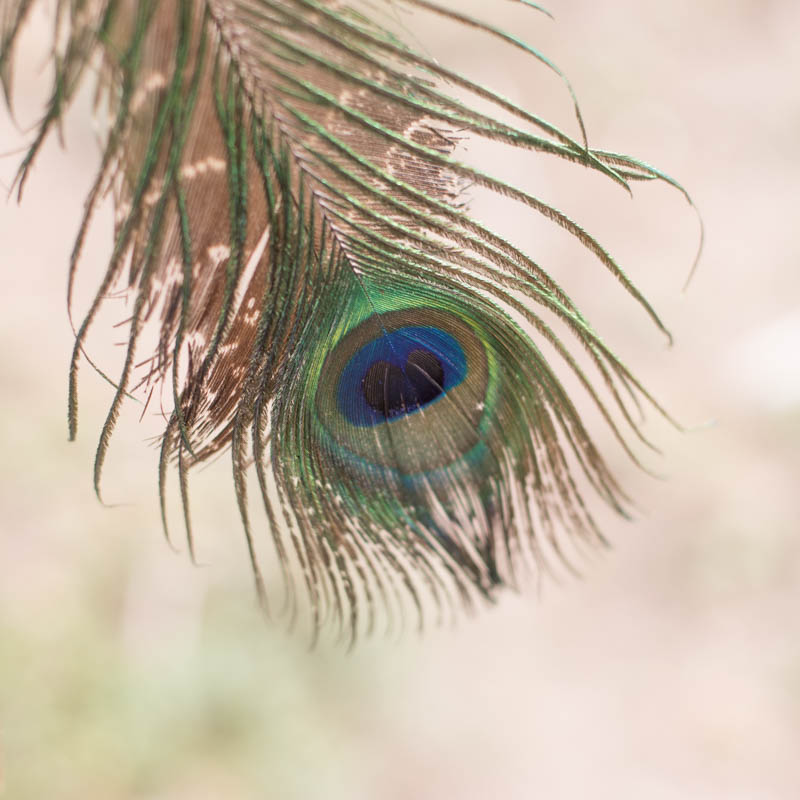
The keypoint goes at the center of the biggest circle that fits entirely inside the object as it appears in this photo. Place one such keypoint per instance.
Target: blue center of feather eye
(398, 373)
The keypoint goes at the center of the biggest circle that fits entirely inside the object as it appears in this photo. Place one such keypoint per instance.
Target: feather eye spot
(402, 388)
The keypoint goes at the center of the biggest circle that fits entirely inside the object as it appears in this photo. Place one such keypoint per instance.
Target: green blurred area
(670, 670)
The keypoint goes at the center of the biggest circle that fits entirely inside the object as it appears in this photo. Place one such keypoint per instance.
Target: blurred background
(670, 670)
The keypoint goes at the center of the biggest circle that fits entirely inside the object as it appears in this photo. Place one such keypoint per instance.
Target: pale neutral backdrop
(671, 671)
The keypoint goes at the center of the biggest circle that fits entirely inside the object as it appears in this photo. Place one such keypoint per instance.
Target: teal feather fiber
(290, 223)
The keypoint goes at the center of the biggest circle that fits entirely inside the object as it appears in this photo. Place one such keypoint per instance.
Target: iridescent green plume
(307, 285)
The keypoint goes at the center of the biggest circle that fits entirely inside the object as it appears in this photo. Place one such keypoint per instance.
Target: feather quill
(290, 224)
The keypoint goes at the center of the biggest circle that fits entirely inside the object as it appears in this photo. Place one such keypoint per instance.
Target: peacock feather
(308, 288)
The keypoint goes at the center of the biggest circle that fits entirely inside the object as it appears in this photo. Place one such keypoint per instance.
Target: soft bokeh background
(671, 670)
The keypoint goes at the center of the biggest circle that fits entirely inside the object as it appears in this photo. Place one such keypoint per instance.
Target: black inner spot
(392, 391)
